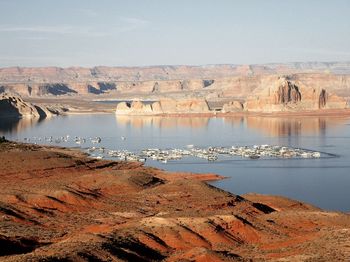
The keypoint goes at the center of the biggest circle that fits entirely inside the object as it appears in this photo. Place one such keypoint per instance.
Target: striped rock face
(289, 95)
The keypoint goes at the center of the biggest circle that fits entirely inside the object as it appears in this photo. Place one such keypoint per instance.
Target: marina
(211, 153)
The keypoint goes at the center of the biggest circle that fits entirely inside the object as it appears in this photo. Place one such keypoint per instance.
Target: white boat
(96, 140)
(316, 154)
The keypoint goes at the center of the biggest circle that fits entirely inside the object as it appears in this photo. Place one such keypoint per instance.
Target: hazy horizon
(189, 65)
(86, 33)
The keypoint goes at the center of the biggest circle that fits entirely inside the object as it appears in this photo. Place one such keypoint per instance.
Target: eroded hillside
(58, 204)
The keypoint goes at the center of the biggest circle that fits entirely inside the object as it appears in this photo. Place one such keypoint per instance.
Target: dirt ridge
(73, 208)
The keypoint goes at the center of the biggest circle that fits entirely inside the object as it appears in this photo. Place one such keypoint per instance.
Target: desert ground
(59, 204)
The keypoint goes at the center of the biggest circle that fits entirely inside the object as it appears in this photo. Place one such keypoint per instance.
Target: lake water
(322, 182)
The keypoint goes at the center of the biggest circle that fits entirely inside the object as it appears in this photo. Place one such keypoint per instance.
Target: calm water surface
(322, 182)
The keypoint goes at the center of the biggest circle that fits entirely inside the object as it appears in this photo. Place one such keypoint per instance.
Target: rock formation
(284, 94)
(58, 88)
(164, 106)
(307, 86)
(216, 81)
(287, 93)
(133, 108)
(15, 106)
(172, 106)
(232, 106)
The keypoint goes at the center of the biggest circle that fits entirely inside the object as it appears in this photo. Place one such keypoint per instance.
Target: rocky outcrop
(58, 88)
(169, 106)
(15, 106)
(100, 87)
(134, 108)
(287, 93)
(163, 86)
(164, 106)
(123, 107)
(284, 94)
(232, 106)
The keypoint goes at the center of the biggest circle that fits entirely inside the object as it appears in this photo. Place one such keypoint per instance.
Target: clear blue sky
(157, 32)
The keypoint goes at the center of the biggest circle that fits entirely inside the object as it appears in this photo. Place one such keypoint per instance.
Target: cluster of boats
(209, 153)
(64, 139)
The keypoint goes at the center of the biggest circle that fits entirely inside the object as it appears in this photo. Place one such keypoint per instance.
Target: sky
(172, 32)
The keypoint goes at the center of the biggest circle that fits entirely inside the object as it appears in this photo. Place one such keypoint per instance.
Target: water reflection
(16, 125)
(162, 122)
(235, 120)
(271, 126)
(294, 126)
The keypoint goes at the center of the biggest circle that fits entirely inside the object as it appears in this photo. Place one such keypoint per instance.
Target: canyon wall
(163, 106)
(284, 94)
(57, 89)
(15, 107)
(232, 106)
(129, 74)
(212, 81)
(239, 87)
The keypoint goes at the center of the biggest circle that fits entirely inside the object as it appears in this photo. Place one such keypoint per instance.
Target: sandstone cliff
(58, 88)
(183, 106)
(283, 94)
(307, 86)
(104, 73)
(15, 106)
(216, 81)
(134, 108)
(232, 106)
(164, 106)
